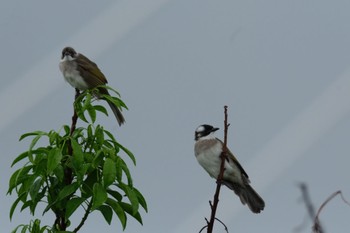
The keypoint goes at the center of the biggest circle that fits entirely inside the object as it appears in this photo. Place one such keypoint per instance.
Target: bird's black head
(68, 51)
(203, 130)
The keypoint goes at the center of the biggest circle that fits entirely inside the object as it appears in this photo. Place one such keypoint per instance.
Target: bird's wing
(235, 161)
(91, 72)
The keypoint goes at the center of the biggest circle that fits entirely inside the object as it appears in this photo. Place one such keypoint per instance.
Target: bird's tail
(250, 197)
(117, 113)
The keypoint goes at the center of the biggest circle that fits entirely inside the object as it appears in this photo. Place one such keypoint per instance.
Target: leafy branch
(78, 167)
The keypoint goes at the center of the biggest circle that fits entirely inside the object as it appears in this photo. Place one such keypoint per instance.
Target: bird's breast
(208, 154)
(72, 75)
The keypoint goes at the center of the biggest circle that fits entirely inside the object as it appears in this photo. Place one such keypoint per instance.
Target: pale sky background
(282, 67)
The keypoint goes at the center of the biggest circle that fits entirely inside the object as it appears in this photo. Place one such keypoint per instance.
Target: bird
(82, 73)
(208, 150)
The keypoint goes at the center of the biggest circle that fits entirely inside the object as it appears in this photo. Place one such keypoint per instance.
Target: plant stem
(219, 179)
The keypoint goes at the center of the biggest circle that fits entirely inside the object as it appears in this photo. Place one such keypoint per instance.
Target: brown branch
(307, 200)
(68, 174)
(87, 212)
(317, 227)
(309, 206)
(75, 115)
(219, 178)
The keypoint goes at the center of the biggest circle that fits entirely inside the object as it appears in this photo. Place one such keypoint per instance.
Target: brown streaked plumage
(82, 73)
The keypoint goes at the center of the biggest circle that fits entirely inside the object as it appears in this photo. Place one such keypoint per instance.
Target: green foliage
(76, 168)
(33, 227)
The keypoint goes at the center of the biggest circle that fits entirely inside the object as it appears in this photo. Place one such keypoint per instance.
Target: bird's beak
(214, 129)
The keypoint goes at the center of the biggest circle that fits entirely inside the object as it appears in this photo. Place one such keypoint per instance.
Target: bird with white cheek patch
(208, 150)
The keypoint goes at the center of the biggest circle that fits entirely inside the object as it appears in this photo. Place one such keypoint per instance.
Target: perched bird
(82, 73)
(207, 150)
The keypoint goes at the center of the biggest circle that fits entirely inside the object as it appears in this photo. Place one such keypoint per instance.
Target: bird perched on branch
(82, 73)
(208, 150)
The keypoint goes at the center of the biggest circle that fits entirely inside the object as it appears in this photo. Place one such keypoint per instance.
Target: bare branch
(309, 206)
(316, 227)
(210, 225)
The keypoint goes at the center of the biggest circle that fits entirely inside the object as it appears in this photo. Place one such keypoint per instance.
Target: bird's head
(203, 131)
(68, 53)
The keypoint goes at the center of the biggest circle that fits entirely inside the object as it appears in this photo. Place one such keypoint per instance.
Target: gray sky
(282, 67)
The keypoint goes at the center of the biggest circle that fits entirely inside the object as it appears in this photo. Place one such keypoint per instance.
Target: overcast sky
(282, 67)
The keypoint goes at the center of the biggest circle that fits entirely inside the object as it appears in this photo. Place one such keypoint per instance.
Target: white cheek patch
(200, 129)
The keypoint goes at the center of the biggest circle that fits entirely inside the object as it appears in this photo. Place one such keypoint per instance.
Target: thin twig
(203, 228)
(87, 212)
(316, 227)
(309, 206)
(219, 179)
(226, 229)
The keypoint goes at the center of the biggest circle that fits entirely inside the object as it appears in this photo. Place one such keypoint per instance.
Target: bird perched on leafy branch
(208, 150)
(82, 73)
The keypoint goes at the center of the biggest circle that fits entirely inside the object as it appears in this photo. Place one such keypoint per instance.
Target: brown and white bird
(207, 150)
(82, 73)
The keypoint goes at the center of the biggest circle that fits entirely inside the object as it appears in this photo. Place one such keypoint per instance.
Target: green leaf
(122, 167)
(90, 131)
(79, 110)
(19, 176)
(19, 158)
(128, 208)
(92, 113)
(35, 133)
(98, 159)
(118, 210)
(141, 199)
(87, 101)
(54, 138)
(54, 159)
(28, 204)
(67, 190)
(119, 175)
(34, 141)
(15, 203)
(36, 226)
(117, 196)
(78, 154)
(99, 196)
(59, 172)
(35, 188)
(109, 172)
(107, 213)
(111, 89)
(134, 201)
(72, 205)
(66, 130)
(128, 152)
(100, 108)
(99, 135)
(78, 132)
(115, 101)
